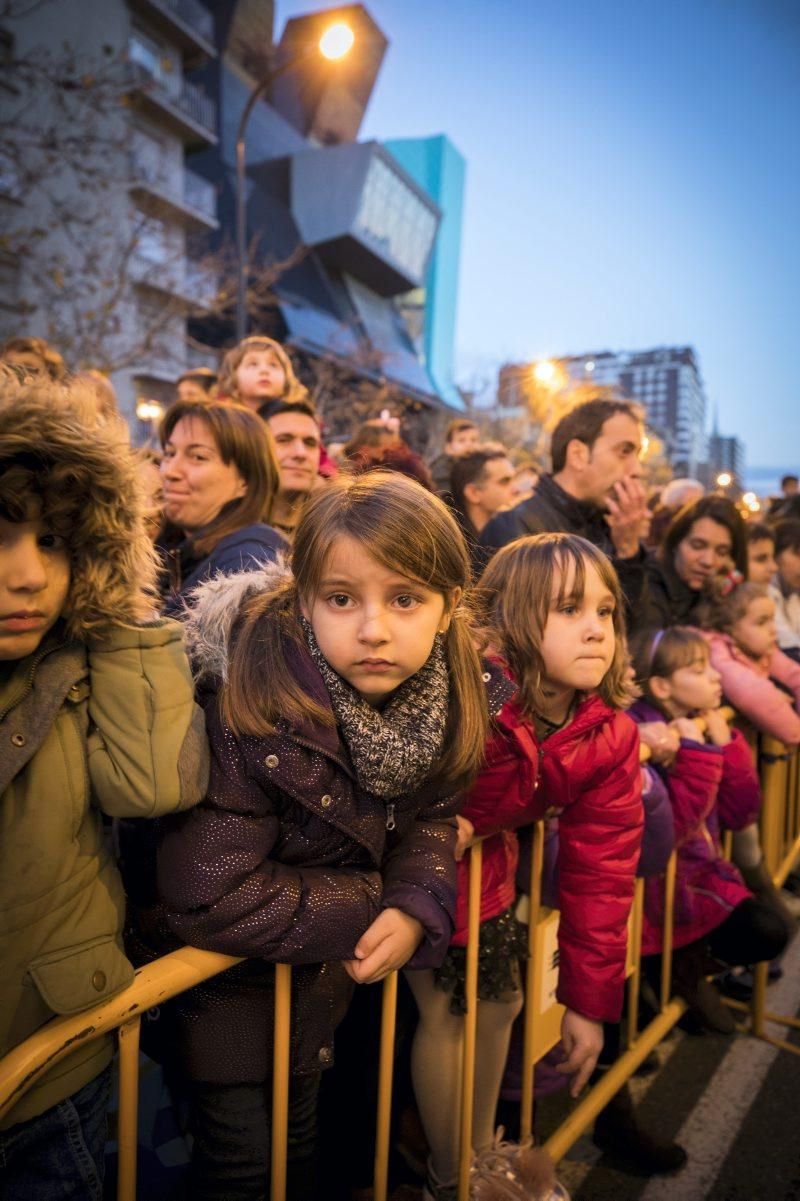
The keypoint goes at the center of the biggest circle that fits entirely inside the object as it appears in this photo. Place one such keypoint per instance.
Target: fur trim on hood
(86, 480)
(213, 608)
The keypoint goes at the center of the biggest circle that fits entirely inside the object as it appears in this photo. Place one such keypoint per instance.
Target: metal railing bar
(281, 1044)
(385, 1077)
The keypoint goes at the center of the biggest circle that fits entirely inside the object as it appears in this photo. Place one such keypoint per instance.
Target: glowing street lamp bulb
(589, 366)
(749, 498)
(544, 372)
(336, 41)
(724, 479)
(149, 410)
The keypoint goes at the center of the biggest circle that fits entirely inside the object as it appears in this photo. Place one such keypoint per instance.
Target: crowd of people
(260, 695)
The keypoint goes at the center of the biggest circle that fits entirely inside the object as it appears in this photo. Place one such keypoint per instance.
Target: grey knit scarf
(392, 749)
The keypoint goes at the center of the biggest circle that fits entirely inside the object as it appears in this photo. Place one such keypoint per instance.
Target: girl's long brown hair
(514, 598)
(405, 529)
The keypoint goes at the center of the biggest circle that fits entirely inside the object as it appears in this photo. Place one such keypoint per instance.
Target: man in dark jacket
(594, 491)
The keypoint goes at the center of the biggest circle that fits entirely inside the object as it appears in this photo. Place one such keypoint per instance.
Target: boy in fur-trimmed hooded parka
(96, 716)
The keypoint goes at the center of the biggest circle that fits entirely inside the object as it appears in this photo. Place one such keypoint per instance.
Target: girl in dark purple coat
(345, 707)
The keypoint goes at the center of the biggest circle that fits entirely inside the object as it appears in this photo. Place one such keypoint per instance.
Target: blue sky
(633, 181)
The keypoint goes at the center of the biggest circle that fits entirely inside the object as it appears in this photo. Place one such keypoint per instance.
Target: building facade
(104, 211)
(339, 231)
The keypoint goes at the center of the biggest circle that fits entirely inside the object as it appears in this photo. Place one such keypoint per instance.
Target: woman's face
(197, 482)
(260, 377)
(705, 552)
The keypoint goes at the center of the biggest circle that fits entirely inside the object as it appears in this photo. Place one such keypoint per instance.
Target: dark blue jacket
(243, 550)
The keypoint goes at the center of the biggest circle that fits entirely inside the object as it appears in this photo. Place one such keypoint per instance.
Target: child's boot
(617, 1133)
(761, 884)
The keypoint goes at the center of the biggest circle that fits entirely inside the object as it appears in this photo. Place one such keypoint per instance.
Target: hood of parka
(88, 479)
(213, 608)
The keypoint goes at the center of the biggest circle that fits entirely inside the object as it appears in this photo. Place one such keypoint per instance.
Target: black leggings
(752, 933)
(231, 1128)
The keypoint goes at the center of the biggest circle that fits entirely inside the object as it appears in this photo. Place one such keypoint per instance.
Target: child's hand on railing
(662, 740)
(582, 1040)
(384, 946)
(466, 835)
(689, 728)
(717, 728)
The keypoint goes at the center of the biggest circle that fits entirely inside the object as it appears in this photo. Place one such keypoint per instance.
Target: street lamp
(724, 479)
(335, 43)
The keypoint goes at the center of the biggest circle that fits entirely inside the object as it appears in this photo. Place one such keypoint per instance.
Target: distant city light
(589, 365)
(149, 410)
(544, 372)
(645, 446)
(336, 41)
(751, 501)
(724, 479)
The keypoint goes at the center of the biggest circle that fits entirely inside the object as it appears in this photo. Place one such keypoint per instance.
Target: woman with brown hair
(220, 480)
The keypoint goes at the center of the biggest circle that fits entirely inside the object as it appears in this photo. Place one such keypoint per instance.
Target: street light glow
(336, 41)
(149, 410)
(589, 366)
(544, 372)
(724, 479)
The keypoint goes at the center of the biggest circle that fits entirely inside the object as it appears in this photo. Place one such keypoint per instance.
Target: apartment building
(118, 207)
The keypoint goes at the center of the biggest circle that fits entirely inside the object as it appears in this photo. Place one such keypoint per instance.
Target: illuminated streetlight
(724, 479)
(645, 447)
(589, 366)
(751, 501)
(544, 372)
(336, 41)
(149, 410)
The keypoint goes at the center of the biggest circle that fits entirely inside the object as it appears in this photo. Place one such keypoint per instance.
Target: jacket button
(99, 981)
(487, 675)
(325, 1056)
(271, 761)
(326, 800)
(18, 739)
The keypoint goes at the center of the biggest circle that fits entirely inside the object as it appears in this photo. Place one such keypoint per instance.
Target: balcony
(194, 284)
(184, 195)
(187, 23)
(184, 108)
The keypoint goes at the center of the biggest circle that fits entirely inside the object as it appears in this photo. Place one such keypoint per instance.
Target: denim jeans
(231, 1128)
(60, 1153)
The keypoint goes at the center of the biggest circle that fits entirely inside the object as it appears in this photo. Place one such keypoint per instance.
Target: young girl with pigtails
(718, 922)
(346, 708)
(553, 616)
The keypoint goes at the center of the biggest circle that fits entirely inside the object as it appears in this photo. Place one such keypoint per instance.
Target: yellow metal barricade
(167, 977)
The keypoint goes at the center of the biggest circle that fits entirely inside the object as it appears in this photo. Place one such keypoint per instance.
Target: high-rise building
(726, 453)
(666, 382)
(436, 165)
(108, 185)
(338, 231)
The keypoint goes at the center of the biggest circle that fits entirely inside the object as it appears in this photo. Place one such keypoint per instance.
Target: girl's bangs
(571, 584)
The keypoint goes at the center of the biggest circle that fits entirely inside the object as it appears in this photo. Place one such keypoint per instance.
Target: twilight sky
(633, 178)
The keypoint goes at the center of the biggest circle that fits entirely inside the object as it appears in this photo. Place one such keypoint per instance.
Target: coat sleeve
(739, 796)
(148, 752)
(223, 891)
(755, 696)
(787, 672)
(658, 838)
(632, 574)
(599, 839)
(693, 784)
(504, 794)
(419, 877)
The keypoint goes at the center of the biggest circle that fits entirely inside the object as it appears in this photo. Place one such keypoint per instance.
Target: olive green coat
(105, 724)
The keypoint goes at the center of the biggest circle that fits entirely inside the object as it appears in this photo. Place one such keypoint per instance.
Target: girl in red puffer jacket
(553, 614)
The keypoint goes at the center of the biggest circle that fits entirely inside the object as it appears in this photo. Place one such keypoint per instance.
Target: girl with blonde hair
(256, 370)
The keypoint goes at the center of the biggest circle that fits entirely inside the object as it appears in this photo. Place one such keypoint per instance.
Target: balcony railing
(187, 99)
(194, 14)
(199, 194)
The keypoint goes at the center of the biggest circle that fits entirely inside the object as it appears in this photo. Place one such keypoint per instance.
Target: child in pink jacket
(761, 683)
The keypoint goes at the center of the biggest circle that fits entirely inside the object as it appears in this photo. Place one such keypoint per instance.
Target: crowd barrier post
(385, 1077)
(533, 974)
(128, 1113)
(635, 978)
(470, 1019)
(281, 1051)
